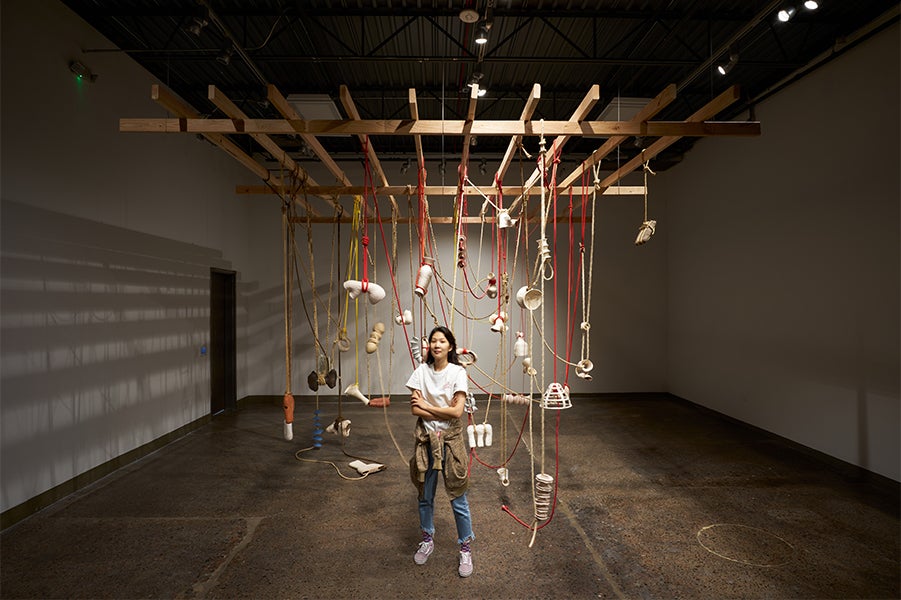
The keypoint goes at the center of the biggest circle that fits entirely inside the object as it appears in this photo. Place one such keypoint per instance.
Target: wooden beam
(580, 114)
(351, 108)
(434, 220)
(231, 110)
(708, 111)
(435, 190)
(175, 105)
(417, 139)
(527, 111)
(437, 127)
(467, 136)
(467, 126)
(653, 107)
(281, 104)
(228, 107)
(588, 102)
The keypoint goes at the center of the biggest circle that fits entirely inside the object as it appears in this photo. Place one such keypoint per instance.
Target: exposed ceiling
(380, 49)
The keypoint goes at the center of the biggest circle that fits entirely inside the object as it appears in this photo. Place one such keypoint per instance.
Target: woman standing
(438, 394)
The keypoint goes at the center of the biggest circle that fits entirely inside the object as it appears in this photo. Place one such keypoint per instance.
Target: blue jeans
(460, 506)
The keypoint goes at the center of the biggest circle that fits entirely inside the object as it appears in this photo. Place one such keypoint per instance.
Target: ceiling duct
(315, 107)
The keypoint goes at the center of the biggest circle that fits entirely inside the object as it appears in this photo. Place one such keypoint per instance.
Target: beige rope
(287, 292)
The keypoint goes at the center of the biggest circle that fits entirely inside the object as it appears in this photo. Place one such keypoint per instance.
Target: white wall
(107, 243)
(783, 292)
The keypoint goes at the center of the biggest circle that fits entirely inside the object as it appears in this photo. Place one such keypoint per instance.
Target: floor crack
(201, 588)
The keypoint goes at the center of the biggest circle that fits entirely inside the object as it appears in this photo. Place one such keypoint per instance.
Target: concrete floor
(657, 499)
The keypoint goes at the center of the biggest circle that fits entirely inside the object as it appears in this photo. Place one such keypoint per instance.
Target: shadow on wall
(100, 341)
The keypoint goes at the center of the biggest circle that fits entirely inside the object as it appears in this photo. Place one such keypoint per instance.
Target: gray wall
(783, 264)
(107, 244)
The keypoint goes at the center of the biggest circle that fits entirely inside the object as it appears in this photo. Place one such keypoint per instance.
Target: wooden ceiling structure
(291, 180)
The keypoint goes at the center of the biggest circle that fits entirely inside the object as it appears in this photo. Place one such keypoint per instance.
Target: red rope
(367, 176)
(550, 517)
(553, 183)
(512, 452)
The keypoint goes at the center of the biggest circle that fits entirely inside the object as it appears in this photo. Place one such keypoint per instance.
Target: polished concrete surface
(657, 498)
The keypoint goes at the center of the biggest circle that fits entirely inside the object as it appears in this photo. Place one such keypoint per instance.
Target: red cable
(474, 454)
(367, 175)
(554, 205)
(550, 517)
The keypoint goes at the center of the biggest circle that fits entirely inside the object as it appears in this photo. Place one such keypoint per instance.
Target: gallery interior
(665, 235)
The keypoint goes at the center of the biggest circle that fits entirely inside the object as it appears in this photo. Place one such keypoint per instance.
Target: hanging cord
(350, 273)
(394, 219)
(588, 278)
(318, 345)
(298, 456)
(534, 526)
(286, 281)
(507, 458)
(646, 167)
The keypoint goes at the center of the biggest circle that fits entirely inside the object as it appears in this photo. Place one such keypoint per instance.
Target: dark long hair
(452, 353)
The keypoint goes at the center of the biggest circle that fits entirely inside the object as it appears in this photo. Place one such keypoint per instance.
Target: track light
(483, 167)
(405, 167)
(482, 35)
(786, 14)
(724, 68)
(226, 56)
(811, 5)
(474, 79)
(197, 26)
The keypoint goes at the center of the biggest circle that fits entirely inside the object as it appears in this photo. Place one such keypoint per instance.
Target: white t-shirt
(438, 388)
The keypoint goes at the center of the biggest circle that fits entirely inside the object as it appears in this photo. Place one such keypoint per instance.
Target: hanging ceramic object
(520, 346)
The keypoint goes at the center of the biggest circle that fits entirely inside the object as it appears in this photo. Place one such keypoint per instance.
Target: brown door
(223, 361)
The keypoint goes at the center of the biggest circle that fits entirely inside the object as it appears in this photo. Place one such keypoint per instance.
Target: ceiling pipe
(214, 18)
(730, 43)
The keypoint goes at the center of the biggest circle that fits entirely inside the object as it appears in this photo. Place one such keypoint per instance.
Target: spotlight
(724, 68)
(483, 167)
(197, 26)
(786, 14)
(482, 36)
(811, 5)
(226, 56)
(405, 167)
(474, 80)
(305, 150)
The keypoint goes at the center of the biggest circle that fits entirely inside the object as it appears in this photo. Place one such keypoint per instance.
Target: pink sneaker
(425, 550)
(465, 569)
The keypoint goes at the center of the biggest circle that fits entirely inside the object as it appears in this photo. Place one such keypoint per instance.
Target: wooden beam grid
(188, 120)
(408, 127)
